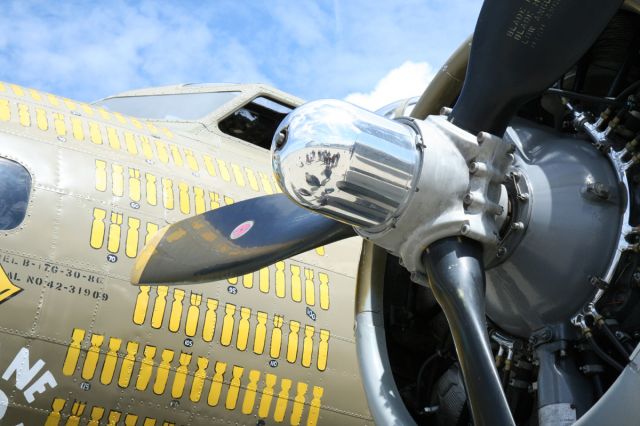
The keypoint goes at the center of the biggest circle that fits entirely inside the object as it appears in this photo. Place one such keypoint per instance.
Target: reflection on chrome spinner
(347, 162)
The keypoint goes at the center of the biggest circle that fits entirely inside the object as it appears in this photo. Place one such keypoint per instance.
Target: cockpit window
(179, 106)
(15, 187)
(256, 122)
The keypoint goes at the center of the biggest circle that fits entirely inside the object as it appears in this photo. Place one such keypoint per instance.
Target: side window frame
(269, 97)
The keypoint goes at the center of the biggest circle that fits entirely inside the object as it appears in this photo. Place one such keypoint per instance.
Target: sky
(368, 52)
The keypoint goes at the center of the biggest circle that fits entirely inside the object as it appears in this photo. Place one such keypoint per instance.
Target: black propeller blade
(457, 281)
(519, 49)
(234, 240)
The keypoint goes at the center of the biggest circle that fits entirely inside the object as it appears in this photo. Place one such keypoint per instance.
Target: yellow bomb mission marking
(182, 375)
(252, 330)
(78, 410)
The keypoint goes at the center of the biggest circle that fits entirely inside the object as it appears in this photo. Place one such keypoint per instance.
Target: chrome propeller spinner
(401, 184)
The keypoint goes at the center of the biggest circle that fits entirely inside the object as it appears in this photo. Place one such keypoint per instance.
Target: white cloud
(116, 48)
(312, 49)
(405, 81)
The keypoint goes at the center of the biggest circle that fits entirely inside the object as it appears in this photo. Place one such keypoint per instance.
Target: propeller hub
(346, 162)
(377, 175)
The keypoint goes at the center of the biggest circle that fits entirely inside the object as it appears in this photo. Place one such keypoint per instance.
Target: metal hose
(602, 354)
(612, 337)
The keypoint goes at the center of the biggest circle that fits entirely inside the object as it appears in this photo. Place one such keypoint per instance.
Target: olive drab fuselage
(81, 344)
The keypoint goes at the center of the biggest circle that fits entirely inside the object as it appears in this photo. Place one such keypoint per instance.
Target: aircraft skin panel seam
(55, 227)
(137, 213)
(88, 267)
(91, 268)
(121, 120)
(271, 316)
(138, 361)
(190, 154)
(98, 353)
(86, 415)
(36, 118)
(48, 339)
(101, 130)
(124, 414)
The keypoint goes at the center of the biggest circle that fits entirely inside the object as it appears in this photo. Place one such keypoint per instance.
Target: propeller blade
(234, 240)
(456, 276)
(519, 49)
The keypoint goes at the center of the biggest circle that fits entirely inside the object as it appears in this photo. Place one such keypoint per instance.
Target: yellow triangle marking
(7, 288)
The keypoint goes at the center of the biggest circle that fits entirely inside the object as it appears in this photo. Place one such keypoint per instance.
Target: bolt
(468, 199)
(464, 230)
(482, 136)
(636, 276)
(594, 281)
(517, 226)
(473, 167)
(501, 251)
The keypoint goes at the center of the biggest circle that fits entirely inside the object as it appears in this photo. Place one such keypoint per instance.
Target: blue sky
(313, 49)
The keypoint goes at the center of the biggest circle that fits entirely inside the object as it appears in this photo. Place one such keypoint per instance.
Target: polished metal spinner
(402, 184)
